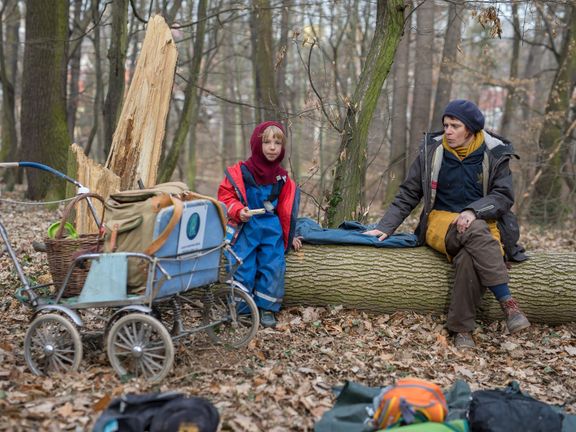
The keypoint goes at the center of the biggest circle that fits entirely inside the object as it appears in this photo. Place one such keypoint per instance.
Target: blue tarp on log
(349, 233)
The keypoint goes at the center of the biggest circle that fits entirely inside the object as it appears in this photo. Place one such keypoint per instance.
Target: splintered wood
(137, 142)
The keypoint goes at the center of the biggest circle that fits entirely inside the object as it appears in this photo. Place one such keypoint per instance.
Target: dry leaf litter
(285, 379)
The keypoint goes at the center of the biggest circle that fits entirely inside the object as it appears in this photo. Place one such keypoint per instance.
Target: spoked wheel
(52, 345)
(232, 315)
(139, 345)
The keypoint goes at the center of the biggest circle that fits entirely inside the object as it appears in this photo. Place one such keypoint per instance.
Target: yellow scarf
(463, 152)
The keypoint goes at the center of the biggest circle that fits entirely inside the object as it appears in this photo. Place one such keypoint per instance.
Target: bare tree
(116, 70)
(9, 25)
(511, 102)
(189, 116)
(44, 129)
(399, 129)
(347, 188)
(266, 96)
(422, 96)
(547, 205)
(448, 64)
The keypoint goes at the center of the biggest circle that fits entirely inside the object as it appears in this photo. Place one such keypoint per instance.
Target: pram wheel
(52, 344)
(232, 313)
(139, 345)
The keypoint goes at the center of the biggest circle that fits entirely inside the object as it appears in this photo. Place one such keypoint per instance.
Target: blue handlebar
(41, 167)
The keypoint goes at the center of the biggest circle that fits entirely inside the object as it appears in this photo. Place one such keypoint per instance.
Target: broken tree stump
(137, 142)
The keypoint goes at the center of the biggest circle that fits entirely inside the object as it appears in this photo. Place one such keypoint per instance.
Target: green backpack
(450, 426)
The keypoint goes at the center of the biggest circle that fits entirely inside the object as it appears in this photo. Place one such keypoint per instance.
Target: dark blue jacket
(495, 203)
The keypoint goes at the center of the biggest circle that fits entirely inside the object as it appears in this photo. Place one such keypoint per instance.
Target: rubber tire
(157, 328)
(65, 325)
(220, 333)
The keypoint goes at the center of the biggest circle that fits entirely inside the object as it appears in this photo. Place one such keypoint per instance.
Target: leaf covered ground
(284, 379)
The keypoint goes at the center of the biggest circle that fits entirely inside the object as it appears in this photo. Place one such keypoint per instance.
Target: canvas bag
(130, 219)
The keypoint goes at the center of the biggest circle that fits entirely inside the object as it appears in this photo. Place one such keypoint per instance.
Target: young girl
(261, 184)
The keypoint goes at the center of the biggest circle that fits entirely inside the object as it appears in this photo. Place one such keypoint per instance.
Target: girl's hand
(245, 215)
(297, 243)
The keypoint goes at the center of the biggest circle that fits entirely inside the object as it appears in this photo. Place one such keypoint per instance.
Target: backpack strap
(161, 239)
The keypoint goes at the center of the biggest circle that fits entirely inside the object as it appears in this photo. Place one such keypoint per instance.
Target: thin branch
(316, 91)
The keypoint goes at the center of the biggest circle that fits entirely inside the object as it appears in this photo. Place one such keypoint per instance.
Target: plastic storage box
(198, 231)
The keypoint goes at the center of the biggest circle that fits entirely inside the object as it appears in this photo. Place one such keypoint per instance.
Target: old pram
(184, 292)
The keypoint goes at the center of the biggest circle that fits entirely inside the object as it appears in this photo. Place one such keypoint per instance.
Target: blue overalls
(260, 245)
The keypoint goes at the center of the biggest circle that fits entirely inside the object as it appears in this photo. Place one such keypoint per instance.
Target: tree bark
(266, 96)
(44, 129)
(420, 279)
(547, 206)
(399, 127)
(189, 117)
(422, 95)
(448, 64)
(345, 197)
(117, 70)
(79, 24)
(137, 143)
(9, 25)
(511, 102)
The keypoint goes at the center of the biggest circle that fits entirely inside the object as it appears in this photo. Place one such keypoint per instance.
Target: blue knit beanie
(467, 112)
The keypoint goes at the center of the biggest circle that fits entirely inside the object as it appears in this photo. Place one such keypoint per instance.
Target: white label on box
(192, 227)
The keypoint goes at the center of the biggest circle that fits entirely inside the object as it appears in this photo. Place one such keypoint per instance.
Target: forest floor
(284, 379)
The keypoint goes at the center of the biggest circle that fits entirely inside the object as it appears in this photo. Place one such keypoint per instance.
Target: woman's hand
(297, 243)
(245, 215)
(464, 220)
(376, 233)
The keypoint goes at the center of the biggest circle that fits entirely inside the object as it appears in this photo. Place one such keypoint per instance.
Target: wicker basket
(62, 251)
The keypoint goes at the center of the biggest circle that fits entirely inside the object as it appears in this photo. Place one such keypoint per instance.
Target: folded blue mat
(349, 233)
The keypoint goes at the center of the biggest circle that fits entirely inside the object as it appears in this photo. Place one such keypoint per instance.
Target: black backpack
(158, 412)
(509, 410)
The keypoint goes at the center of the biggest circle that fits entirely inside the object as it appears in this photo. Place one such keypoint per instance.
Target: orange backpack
(407, 401)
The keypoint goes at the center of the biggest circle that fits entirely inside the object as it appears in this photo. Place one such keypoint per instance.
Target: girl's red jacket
(232, 192)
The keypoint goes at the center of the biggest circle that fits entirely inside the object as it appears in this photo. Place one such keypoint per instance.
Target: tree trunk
(348, 180)
(137, 144)
(44, 129)
(96, 132)
(79, 25)
(422, 96)
(547, 205)
(419, 279)
(229, 131)
(117, 70)
(399, 127)
(448, 64)
(189, 117)
(281, 60)
(266, 96)
(511, 102)
(9, 25)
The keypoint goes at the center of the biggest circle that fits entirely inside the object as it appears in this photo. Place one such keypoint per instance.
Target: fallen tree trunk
(419, 279)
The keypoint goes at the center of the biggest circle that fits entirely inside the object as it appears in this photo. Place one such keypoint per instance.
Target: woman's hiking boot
(267, 318)
(464, 341)
(515, 319)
